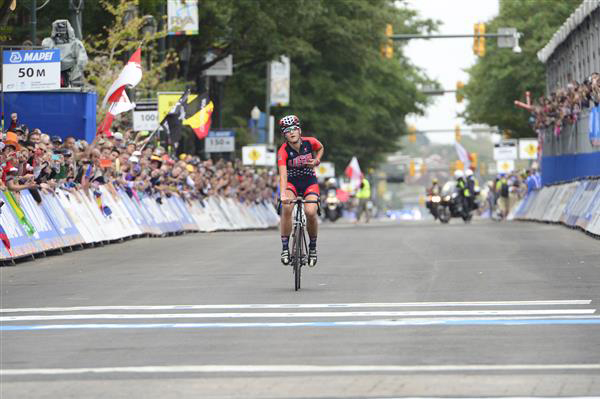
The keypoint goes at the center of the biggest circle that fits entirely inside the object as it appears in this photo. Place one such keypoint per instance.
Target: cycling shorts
(304, 187)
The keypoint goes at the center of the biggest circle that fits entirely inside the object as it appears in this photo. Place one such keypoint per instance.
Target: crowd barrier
(574, 204)
(68, 219)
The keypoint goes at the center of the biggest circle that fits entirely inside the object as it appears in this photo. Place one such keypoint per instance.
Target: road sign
(145, 116)
(506, 150)
(258, 155)
(528, 148)
(221, 68)
(505, 166)
(31, 70)
(325, 170)
(220, 141)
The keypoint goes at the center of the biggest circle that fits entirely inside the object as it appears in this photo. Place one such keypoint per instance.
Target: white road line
(302, 306)
(285, 368)
(426, 313)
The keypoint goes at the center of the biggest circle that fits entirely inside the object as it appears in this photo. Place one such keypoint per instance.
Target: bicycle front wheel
(297, 259)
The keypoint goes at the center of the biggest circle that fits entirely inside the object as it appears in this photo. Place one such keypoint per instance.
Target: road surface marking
(508, 321)
(426, 313)
(285, 368)
(301, 306)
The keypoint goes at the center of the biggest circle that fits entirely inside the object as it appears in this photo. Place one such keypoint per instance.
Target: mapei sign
(31, 70)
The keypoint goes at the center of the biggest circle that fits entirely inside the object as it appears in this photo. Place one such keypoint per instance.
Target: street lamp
(516, 47)
(255, 116)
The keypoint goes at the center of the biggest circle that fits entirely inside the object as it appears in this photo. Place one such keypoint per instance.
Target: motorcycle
(434, 202)
(333, 206)
(453, 205)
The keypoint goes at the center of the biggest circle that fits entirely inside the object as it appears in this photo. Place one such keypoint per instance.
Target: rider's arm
(317, 148)
(282, 157)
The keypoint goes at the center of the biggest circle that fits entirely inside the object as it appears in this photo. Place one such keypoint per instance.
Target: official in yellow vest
(364, 196)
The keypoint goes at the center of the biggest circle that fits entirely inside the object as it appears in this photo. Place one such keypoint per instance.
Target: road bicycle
(299, 246)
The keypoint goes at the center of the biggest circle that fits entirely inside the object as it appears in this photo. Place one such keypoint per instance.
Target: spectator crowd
(34, 160)
(564, 105)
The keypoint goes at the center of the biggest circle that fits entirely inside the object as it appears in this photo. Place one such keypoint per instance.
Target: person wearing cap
(9, 153)
(155, 162)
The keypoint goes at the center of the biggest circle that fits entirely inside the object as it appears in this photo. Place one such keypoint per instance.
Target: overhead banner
(279, 73)
(30, 70)
(183, 17)
(528, 148)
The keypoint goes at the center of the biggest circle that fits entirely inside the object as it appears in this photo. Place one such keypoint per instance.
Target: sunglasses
(291, 129)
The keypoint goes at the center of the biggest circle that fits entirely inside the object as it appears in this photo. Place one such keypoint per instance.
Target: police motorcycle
(452, 204)
(332, 204)
(433, 202)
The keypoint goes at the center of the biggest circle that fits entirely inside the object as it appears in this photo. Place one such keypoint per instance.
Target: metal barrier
(68, 219)
(574, 204)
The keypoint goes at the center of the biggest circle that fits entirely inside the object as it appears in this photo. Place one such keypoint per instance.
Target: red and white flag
(353, 172)
(463, 155)
(116, 97)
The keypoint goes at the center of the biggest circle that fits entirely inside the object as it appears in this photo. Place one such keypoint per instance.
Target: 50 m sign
(31, 70)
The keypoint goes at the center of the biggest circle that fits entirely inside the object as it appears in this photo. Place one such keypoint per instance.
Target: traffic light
(387, 50)
(457, 132)
(411, 168)
(459, 91)
(479, 40)
(412, 134)
(474, 160)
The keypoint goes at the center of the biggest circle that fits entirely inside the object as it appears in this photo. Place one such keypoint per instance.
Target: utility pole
(33, 22)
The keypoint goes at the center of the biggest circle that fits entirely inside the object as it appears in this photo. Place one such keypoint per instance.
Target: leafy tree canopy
(502, 76)
(344, 91)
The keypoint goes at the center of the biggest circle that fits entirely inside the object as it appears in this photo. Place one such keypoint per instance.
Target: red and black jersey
(296, 161)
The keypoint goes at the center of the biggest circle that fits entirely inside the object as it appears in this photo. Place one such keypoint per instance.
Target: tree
(502, 76)
(109, 50)
(344, 91)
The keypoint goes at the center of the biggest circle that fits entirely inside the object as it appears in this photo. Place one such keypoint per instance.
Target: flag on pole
(4, 238)
(353, 173)
(463, 155)
(204, 117)
(173, 121)
(199, 111)
(116, 97)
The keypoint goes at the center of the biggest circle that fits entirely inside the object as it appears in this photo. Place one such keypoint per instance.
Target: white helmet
(331, 181)
(469, 173)
(458, 174)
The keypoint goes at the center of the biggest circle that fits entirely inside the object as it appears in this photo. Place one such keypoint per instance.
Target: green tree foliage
(502, 76)
(344, 91)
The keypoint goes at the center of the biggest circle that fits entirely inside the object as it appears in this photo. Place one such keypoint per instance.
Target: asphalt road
(391, 310)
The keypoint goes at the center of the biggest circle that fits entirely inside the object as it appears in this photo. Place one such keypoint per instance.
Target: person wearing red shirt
(296, 159)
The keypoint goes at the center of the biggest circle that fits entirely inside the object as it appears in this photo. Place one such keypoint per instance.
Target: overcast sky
(445, 59)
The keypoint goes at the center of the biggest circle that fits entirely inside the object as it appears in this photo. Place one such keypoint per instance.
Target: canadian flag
(116, 97)
(353, 172)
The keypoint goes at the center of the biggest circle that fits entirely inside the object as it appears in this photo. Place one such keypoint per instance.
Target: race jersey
(296, 161)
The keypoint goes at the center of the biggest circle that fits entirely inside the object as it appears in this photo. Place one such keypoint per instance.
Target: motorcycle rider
(473, 187)
(435, 189)
(462, 189)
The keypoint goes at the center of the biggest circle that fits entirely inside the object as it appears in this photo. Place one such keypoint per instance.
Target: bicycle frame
(299, 254)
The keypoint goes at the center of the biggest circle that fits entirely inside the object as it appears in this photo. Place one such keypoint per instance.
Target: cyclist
(296, 159)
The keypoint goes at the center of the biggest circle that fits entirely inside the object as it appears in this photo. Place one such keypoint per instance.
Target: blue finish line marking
(369, 323)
